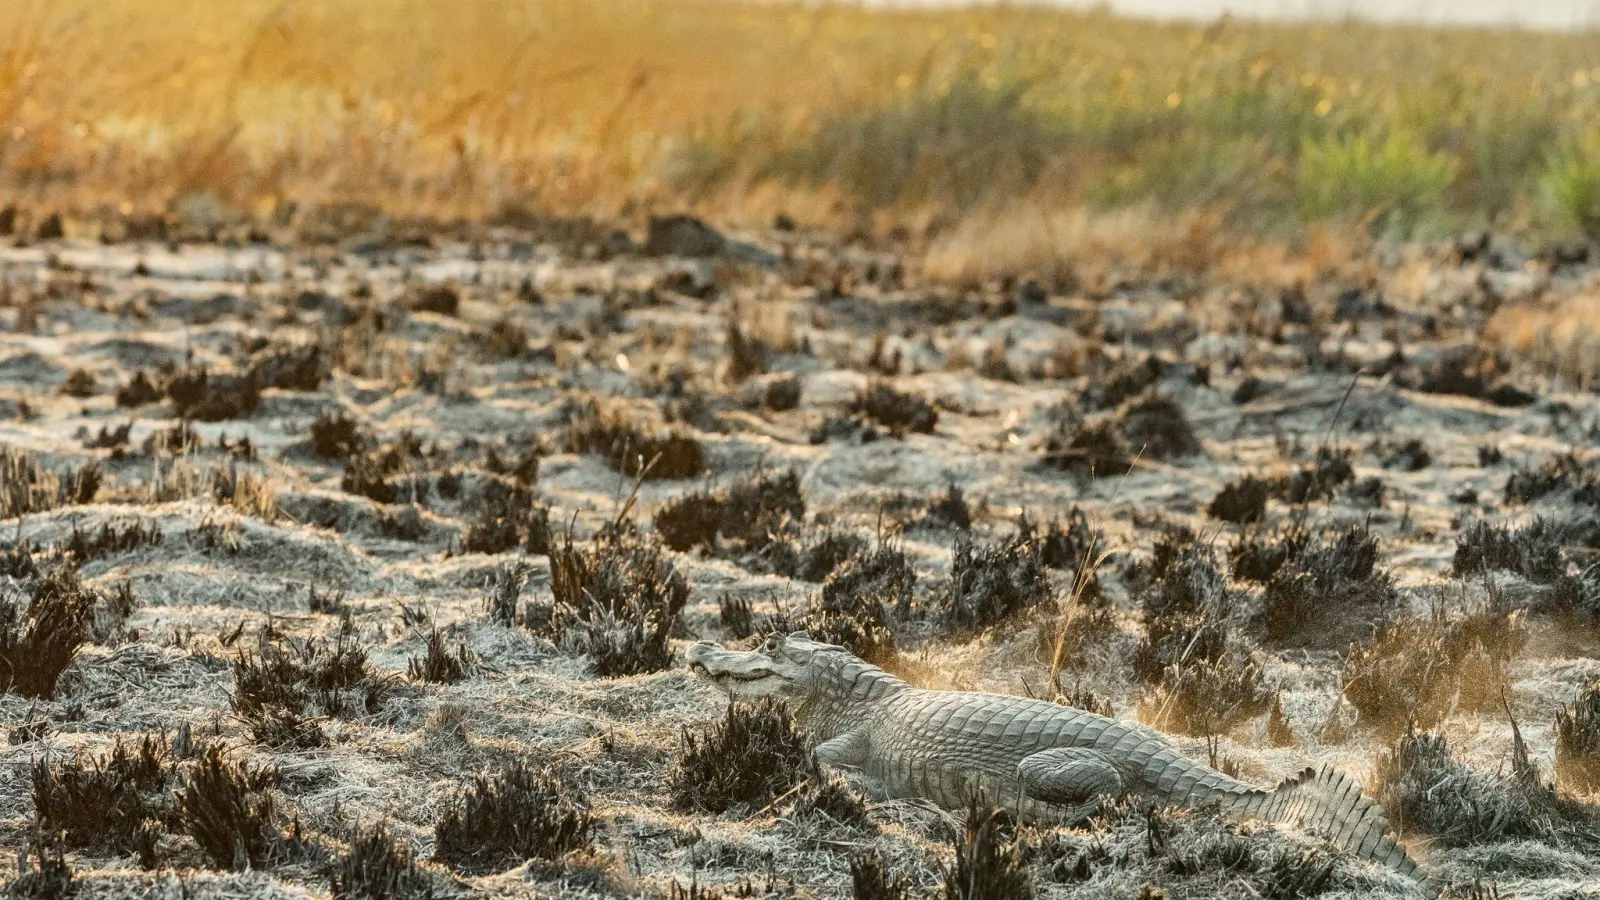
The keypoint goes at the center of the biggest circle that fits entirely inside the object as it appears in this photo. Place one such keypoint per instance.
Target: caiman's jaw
(780, 668)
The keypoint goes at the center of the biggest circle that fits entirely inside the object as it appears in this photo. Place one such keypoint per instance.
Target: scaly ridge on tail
(1332, 804)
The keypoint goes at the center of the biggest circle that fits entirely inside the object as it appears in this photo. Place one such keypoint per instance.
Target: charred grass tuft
(517, 814)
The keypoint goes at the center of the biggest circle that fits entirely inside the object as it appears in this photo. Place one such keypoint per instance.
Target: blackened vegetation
(747, 761)
(825, 554)
(1425, 789)
(1204, 678)
(1242, 502)
(859, 625)
(205, 397)
(80, 383)
(882, 573)
(442, 299)
(1532, 551)
(616, 600)
(736, 616)
(1328, 590)
(860, 603)
(108, 804)
(82, 546)
(377, 867)
(631, 449)
(280, 691)
(335, 435)
(1088, 450)
(900, 413)
(827, 798)
(1123, 380)
(1563, 476)
(290, 368)
(139, 391)
(506, 516)
(27, 487)
(949, 510)
(377, 473)
(1468, 371)
(1154, 427)
(751, 513)
(228, 811)
(1420, 669)
(518, 814)
(1578, 743)
(439, 665)
(504, 596)
(993, 582)
(1257, 554)
(43, 875)
(871, 879)
(989, 860)
(39, 642)
(1410, 455)
(1329, 471)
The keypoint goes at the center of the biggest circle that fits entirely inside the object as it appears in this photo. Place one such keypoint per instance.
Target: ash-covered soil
(394, 545)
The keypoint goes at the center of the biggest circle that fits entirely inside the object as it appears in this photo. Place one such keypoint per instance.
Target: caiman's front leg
(1073, 777)
(848, 750)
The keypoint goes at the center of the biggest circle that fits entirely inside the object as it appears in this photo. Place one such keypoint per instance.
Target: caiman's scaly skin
(1042, 761)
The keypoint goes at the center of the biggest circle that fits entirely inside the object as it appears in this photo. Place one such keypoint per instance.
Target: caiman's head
(782, 667)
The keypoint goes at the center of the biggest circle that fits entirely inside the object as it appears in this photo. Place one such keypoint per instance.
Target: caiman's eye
(772, 644)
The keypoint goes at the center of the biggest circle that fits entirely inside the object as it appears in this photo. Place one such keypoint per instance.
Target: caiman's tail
(1329, 803)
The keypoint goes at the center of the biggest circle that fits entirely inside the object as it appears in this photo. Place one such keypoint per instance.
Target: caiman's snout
(745, 674)
(697, 655)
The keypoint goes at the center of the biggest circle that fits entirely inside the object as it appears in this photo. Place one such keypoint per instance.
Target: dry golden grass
(835, 115)
(1559, 338)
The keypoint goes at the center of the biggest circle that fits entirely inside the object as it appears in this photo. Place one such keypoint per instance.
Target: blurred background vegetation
(836, 116)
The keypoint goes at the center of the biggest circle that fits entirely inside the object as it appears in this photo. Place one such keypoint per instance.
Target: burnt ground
(257, 459)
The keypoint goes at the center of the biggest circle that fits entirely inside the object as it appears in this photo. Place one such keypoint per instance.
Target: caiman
(1042, 762)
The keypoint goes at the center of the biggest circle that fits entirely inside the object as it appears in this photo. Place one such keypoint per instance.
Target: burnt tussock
(378, 867)
(28, 486)
(1202, 678)
(1155, 427)
(439, 664)
(107, 803)
(1578, 743)
(751, 513)
(282, 689)
(745, 762)
(634, 450)
(42, 872)
(39, 639)
(617, 600)
(1426, 790)
(989, 860)
(1327, 590)
(517, 814)
(872, 879)
(1242, 502)
(897, 412)
(1087, 450)
(231, 813)
(337, 436)
(1329, 470)
(991, 582)
(1533, 551)
(1564, 476)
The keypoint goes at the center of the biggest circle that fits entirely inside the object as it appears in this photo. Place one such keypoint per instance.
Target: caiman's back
(946, 746)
